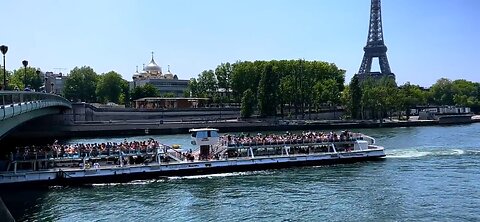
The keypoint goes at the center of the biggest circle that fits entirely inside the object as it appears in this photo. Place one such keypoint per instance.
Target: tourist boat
(213, 154)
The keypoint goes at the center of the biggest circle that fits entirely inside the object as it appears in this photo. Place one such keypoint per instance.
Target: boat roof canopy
(202, 129)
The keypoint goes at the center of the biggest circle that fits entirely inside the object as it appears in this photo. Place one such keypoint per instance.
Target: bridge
(18, 107)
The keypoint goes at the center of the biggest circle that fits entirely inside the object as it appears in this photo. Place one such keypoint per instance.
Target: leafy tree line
(382, 98)
(271, 87)
(84, 84)
(23, 77)
(298, 87)
(274, 86)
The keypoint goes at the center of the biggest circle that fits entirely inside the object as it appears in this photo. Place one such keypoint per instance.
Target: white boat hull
(114, 174)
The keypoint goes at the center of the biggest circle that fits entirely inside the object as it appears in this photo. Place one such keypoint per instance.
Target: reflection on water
(26, 202)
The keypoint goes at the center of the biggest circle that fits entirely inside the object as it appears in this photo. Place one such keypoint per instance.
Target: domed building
(152, 68)
(167, 83)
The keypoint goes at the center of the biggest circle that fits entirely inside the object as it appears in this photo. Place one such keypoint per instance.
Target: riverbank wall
(87, 121)
(126, 128)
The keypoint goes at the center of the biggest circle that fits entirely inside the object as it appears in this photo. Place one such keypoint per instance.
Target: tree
(19, 80)
(441, 92)
(109, 87)
(223, 73)
(465, 93)
(168, 95)
(248, 101)
(148, 90)
(330, 93)
(192, 89)
(410, 96)
(245, 75)
(81, 84)
(355, 98)
(207, 83)
(7, 74)
(346, 101)
(286, 92)
(288, 82)
(268, 92)
(125, 96)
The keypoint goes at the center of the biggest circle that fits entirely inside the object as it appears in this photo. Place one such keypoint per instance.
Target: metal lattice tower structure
(375, 47)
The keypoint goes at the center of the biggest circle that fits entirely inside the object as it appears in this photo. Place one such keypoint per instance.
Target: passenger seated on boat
(190, 157)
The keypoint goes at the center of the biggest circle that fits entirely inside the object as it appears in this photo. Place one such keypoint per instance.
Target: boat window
(214, 134)
(194, 134)
(201, 134)
(208, 133)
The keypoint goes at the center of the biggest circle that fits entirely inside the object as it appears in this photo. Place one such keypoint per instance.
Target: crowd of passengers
(79, 150)
(57, 150)
(287, 138)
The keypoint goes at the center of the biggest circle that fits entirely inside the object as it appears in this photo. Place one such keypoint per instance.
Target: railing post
(3, 105)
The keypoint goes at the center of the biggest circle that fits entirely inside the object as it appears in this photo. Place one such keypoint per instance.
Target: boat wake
(211, 176)
(430, 151)
(135, 182)
(166, 179)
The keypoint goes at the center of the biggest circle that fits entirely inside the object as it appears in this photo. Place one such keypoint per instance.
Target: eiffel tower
(375, 47)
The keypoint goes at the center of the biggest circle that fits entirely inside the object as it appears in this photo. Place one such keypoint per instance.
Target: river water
(430, 174)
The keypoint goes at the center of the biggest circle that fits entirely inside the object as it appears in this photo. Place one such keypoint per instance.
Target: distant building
(167, 83)
(434, 112)
(54, 82)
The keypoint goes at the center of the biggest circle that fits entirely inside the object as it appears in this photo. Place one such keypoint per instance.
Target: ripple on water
(428, 175)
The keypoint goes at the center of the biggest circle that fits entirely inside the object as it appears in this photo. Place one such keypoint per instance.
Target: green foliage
(148, 90)
(223, 73)
(168, 95)
(192, 88)
(248, 101)
(19, 80)
(378, 97)
(327, 92)
(441, 92)
(125, 95)
(110, 87)
(245, 75)
(207, 83)
(355, 95)
(286, 83)
(346, 101)
(465, 93)
(81, 84)
(410, 96)
(268, 92)
(459, 92)
(8, 75)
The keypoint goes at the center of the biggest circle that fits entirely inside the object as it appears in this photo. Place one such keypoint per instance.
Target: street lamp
(25, 64)
(38, 74)
(4, 50)
(45, 85)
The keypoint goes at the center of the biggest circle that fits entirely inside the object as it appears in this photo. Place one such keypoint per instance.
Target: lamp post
(25, 64)
(45, 85)
(4, 50)
(38, 74)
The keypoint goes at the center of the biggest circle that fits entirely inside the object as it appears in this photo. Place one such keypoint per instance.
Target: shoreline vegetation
(271, 88)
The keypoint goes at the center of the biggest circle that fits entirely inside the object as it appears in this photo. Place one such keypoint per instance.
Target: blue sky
(426, 39)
